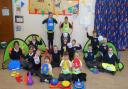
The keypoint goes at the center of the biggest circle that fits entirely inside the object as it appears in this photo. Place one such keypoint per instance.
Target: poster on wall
(58, 7)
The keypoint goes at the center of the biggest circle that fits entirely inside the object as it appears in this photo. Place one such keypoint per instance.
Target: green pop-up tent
(6, 57)
(29, 38)
(119, 66)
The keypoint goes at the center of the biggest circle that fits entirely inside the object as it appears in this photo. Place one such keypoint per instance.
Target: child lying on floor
(65, 68)
(76, 69)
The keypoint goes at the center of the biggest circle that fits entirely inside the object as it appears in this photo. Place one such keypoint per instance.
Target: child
(15, 55)
(65, 68)
(94, 42)
(72, 48)
(66, 26)
(46, 71)
(55, 57)
(37, 62)
(64, 47)
(35, 42)
(90, 61)
(65, 36)
(76, 69)
(103, 48)
(29, 61)
(110, 60)
(50, 29)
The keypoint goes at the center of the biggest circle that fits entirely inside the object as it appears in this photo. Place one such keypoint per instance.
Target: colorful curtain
(111, 21)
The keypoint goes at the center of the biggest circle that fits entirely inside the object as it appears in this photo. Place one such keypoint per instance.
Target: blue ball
(54, 81)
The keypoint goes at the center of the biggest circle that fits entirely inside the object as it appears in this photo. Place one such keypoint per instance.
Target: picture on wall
(57, 7)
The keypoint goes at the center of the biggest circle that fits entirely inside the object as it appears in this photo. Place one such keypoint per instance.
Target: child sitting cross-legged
(65, 68)
(76, 69)
(46, 70)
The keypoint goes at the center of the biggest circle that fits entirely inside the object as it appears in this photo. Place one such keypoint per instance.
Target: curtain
(111, 21)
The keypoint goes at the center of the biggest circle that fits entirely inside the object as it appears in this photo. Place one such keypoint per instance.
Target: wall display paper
(58, 7)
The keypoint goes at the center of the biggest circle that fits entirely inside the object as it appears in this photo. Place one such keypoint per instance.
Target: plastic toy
(30, 81)
(79, 85)
(18, 78)
(54, 83)
(25, 79)
(45, 69)
(13, 74)
(66, 85)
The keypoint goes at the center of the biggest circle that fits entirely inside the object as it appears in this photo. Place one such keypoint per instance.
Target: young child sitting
(55, 57)
(65, 68)
(65, 36)
(15, 55)
(76, 69)
(37, 62)
(29, 61)
(46, 70)
(35, 42)
(72, 48)
(110, 59)
(89, 58)
(103, 48)
(94, 42)
(64, 47)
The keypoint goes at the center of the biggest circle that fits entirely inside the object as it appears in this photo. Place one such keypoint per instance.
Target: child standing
(50, 29)
(15, 55)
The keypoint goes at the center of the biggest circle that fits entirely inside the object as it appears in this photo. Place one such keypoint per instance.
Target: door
(6, 21)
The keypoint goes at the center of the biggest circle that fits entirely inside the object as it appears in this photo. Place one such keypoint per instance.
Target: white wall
(33, 23)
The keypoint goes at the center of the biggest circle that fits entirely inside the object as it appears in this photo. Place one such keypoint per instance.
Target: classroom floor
(94, 81)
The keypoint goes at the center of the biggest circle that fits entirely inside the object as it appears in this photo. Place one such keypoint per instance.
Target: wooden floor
(94, 81)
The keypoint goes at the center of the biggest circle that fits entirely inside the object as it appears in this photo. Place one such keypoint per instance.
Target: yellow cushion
(66, 83)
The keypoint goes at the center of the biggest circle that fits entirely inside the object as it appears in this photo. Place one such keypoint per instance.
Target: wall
(33, 23)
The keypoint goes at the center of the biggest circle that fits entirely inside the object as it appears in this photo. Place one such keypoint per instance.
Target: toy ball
(54, 81)
(65, 34)
(66, 83)
(78, 84)
(100, 38)
(69, 45)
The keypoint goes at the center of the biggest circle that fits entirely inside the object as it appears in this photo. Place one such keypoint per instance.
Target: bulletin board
(57, 7)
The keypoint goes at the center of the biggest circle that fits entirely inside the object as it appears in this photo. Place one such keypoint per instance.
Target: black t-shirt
(16, 55)
(56, 57)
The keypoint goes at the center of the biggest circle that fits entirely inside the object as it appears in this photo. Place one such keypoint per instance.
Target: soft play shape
(29, 38)
(109, 67)
(30, 81)
(23, 46)
(45, 69)
(54, 81)
(66, 83)
(100, 38)
(78, 84)
(55, 86)
(94, 70)
(25, 79)
(76, 63)
(120, 66)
